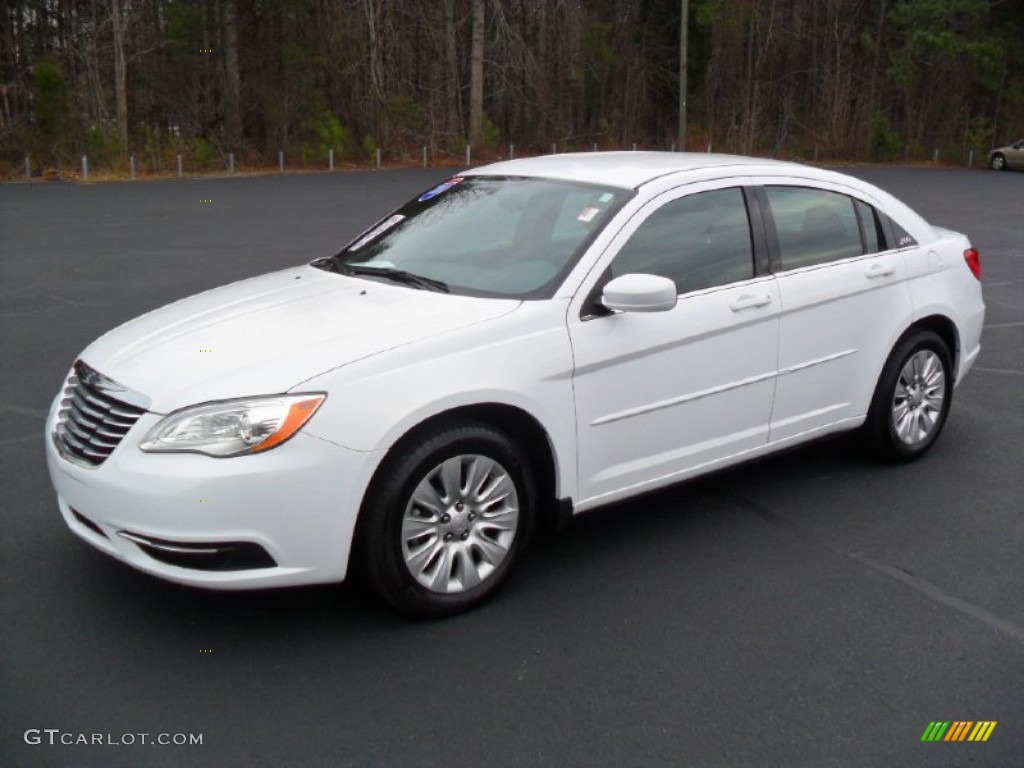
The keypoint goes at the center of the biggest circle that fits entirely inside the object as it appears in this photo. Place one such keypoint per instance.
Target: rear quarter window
(898, 237)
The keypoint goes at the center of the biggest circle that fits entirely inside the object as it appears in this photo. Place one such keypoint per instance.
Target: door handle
(747, 301)
(879, 270)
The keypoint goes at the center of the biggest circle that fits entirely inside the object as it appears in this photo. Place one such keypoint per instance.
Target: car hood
(269, 334)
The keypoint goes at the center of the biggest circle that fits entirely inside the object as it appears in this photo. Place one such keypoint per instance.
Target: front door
(663, 393)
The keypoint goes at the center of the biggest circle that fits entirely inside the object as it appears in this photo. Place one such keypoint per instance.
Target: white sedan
(527, 341)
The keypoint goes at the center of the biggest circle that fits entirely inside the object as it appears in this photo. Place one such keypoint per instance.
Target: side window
(699, 241)
(870, 228)
(814, 226)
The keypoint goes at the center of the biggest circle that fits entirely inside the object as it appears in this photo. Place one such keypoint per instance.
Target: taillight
(973, 259)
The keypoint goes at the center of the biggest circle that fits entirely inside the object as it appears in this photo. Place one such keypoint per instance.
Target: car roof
(625, 169)
(632, 170)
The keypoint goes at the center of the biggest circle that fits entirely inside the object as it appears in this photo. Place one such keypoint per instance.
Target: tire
(998, 162)
(446, 519)
(912, 398)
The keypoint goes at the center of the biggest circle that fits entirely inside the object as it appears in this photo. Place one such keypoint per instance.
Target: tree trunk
(120, 76)
(684, 26)
(876, 67)
(233, 89)
(451, 54)
(476, 76)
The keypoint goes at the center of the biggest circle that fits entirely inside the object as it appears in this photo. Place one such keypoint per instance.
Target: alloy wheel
(459, 523)
(918, 400)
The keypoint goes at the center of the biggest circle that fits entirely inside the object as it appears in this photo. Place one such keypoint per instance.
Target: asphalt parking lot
(812, 609)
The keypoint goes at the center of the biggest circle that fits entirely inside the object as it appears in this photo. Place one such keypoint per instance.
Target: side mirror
(640, 293)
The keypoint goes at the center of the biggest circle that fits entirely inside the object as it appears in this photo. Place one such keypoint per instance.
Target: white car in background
(526, 341)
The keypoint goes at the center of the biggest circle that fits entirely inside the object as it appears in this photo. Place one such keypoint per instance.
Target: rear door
(844, 298)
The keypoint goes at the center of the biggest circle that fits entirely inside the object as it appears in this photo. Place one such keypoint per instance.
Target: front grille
(94, 416)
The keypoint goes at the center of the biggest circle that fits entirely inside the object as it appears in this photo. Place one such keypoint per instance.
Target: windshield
(488, 236)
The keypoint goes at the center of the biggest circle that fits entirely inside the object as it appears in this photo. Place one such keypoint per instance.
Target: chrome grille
(94, 416)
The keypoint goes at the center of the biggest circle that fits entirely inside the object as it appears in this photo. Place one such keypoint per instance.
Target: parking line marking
(1004, 325)
(929, 590)
(999, 370)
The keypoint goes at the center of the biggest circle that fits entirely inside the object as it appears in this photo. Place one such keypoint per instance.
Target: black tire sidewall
(380, 538)
(880, 421)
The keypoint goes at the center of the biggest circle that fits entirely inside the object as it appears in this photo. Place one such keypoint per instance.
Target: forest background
(147, 81)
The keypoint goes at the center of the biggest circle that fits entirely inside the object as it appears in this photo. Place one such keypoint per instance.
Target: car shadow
(690, 515)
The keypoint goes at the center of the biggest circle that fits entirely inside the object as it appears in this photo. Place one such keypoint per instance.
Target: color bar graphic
(982, 730)
(935, 730)
(958, 730)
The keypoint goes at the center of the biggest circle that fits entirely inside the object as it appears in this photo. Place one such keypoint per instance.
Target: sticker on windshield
(439, 189)
(606, 197)
(377, 231)
(588, 215)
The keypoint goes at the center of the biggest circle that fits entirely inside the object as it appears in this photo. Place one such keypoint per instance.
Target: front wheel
(912, 398)
(998, 162)
(446, 519)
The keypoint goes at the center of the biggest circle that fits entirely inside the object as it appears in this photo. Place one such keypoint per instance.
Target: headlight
(233, 427)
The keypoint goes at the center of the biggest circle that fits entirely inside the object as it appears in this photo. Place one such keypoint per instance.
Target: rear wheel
(998, 162)
(912, 398)
(447, 519)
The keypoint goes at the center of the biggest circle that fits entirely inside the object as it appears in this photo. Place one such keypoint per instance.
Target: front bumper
(204, 522)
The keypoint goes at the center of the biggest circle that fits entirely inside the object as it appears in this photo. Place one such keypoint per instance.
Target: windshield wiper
(397, 275)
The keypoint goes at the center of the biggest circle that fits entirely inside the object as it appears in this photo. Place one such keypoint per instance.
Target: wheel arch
(521, 427)
(946, 329)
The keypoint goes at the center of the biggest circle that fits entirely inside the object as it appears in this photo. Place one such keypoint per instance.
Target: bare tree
(117, 23)
(232, 85)
(684, 26)
(476, 76)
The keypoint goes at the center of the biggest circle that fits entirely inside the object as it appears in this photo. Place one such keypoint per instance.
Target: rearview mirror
(639, 293)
